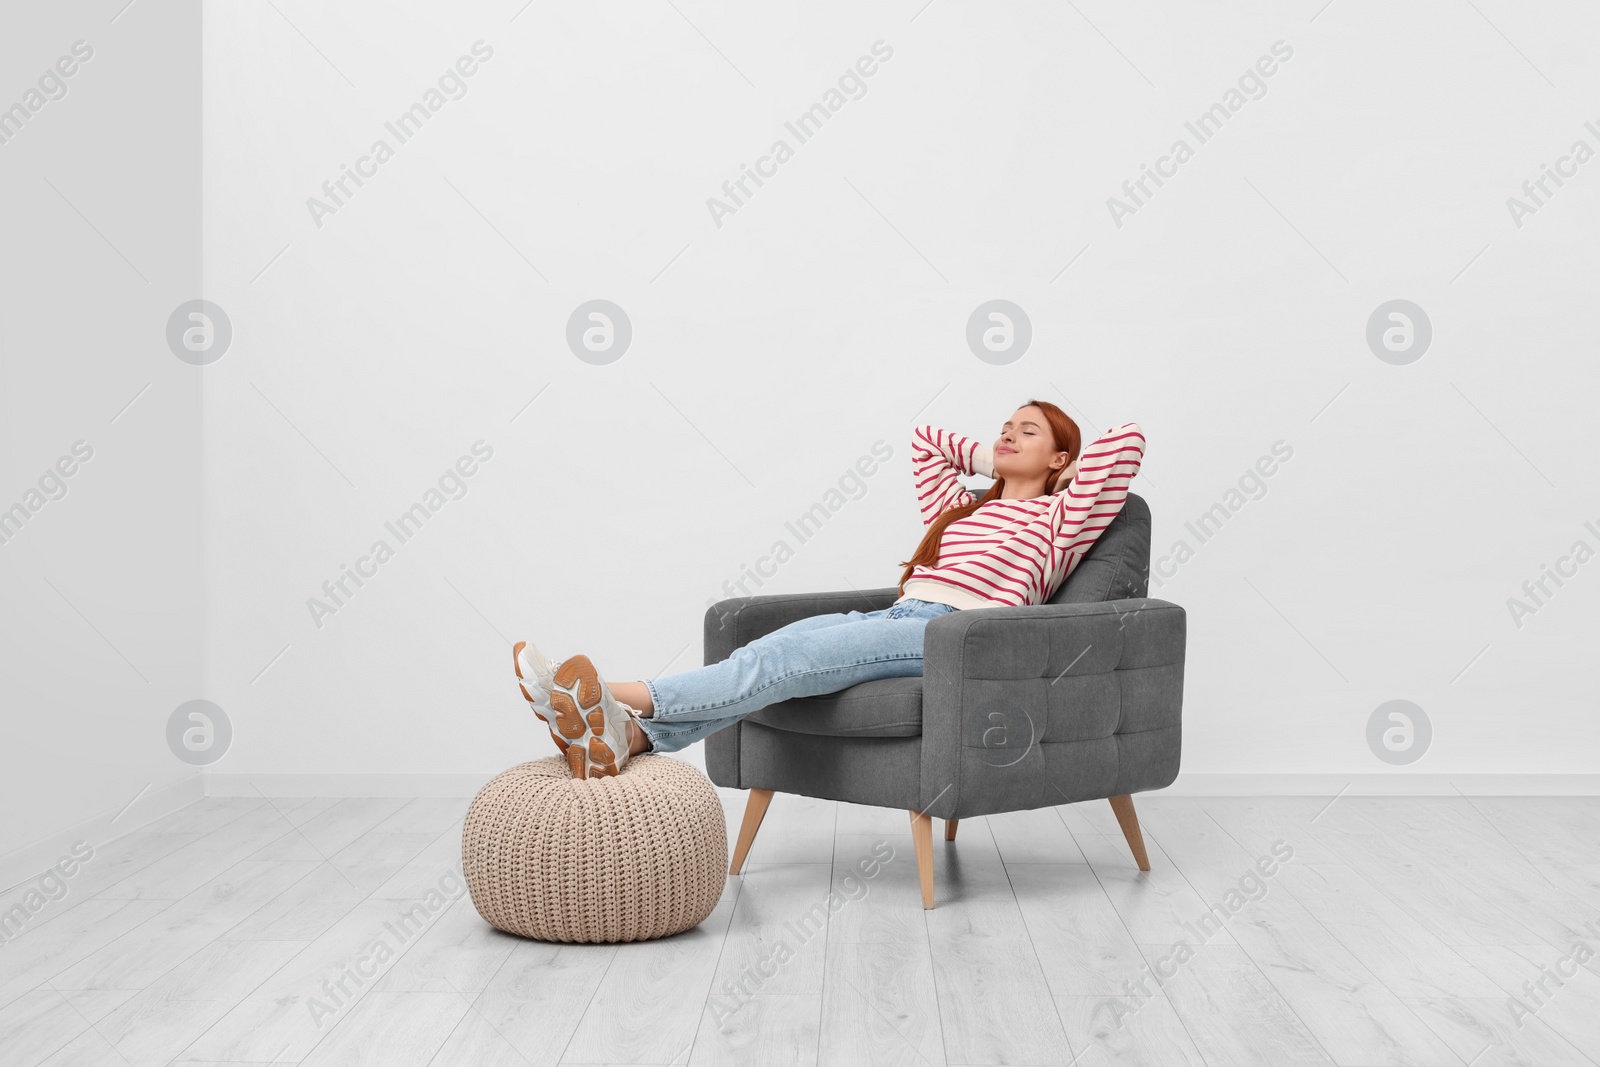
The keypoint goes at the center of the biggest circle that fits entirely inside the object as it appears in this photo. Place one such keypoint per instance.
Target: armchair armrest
(737, 621)
(1048, 704)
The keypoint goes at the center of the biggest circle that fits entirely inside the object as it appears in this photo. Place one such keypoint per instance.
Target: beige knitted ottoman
(634, 856)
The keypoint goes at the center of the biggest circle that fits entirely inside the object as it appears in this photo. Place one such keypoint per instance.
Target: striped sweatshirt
(1013, 552)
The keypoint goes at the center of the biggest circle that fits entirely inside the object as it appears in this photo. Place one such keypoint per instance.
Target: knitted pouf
(629, 857)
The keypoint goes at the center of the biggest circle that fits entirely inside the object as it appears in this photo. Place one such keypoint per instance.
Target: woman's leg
(795, 661)
(637, 695)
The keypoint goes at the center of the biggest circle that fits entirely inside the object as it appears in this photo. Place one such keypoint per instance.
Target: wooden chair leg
(922, 838)
(950, 829)
(1123, 806)
(755, 808)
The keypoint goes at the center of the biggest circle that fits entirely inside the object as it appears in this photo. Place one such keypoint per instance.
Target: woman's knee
(771, 645)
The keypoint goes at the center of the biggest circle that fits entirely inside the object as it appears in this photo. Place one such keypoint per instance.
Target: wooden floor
(1388, 931)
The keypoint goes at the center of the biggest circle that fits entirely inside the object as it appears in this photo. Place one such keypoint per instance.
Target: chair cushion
(880, 707)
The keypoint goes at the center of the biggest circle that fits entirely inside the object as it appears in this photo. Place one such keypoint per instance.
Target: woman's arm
(1098, 487)
(937, 456)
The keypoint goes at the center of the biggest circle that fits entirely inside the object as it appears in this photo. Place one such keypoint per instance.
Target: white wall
(101, 612)
(829, 312)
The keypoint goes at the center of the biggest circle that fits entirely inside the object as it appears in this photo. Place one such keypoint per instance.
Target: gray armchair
(1079, 698)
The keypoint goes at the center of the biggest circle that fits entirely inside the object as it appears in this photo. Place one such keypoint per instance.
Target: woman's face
(1025, 448)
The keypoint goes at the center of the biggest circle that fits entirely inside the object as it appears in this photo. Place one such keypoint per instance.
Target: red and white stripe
(1015, 552)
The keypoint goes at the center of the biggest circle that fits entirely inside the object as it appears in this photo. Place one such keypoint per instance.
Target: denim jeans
(809, 657)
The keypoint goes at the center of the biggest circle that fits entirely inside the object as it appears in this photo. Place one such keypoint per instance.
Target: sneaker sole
(569, 724)
(579, 695)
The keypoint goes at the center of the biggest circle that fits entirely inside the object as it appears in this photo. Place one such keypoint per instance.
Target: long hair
(1067, 439)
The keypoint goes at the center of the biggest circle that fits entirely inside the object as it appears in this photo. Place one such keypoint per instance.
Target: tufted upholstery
(1078, 698)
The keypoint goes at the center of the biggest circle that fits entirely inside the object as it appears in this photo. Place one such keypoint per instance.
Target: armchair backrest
(1117, 564)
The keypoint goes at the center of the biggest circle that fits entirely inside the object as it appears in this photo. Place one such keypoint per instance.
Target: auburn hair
(1064, 432)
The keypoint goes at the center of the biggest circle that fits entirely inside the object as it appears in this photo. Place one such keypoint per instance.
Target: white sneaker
(579, 691)
(536, 679)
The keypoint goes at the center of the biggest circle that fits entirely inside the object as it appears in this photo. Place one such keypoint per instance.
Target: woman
(1015, 546)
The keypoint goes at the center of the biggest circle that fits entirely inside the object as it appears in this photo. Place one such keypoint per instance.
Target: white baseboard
(1196, 785)
(376, 785)
(1398, 784)
(346, 785)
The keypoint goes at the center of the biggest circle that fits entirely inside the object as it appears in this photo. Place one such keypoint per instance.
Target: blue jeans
(809, 657)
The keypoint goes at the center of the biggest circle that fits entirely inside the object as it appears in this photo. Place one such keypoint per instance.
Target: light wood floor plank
(296, 1007)
(372, 859)
(1354, 1017)
(636, 1015)
(1126, 1030)
(181, 872)
(880, 1006)
(531, 1008)
(96, 1004)
(1443, 898)
(1557, 834)
(37, 1024)
(1456, 835)
(1034, 836)
(890, 909)
(993, 998)
(204, 815)
(1231, 1012)
(1158, 906)
(1484, 1033)
(400, 1028)
(160, 1021)
(795, 829)
(427, 868)
(1546, 982)
(110, 864)
(782, 1029)
(1094, 816)
(302, 912)
(777, 939)
(1568, 869)
(1309, 824)
(88, 1049)
(426, 815)
(25, 964)
(1556, 920)
(323, 835)
(459, 953)
(1403, 954)
(1084, 948)
(142, 955)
